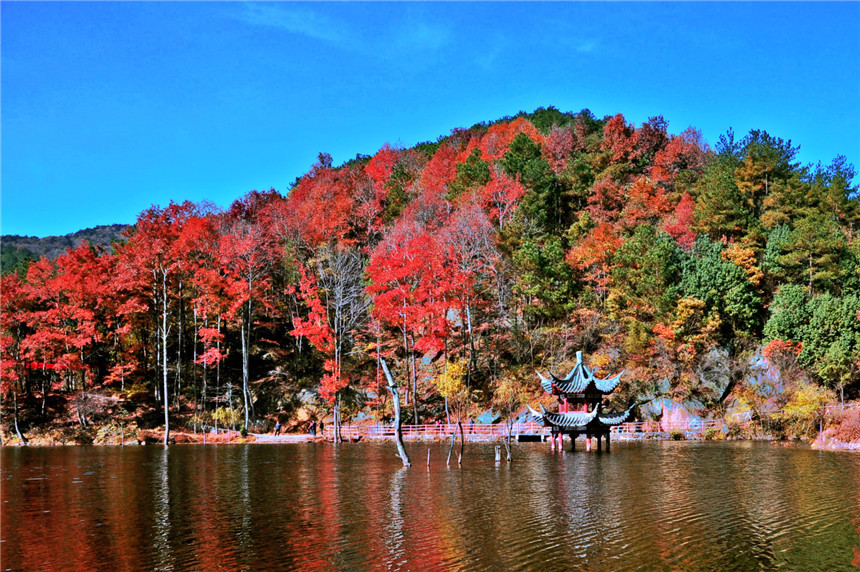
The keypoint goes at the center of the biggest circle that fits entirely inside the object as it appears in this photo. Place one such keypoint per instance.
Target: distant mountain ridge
(17, 248)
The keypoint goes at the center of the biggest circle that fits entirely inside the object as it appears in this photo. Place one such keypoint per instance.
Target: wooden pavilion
(580, 401)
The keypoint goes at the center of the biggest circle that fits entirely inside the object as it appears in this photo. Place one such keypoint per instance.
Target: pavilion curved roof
(615, 418)
(578, 381)
(578, 420)
(566, 420)
(609, 384)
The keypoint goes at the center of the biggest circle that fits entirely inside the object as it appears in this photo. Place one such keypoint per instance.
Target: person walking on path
(322, 429)
(277, 428)
(313, 428)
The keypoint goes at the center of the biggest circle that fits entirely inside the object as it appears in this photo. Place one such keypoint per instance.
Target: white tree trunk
(398, 435)
(164, 355)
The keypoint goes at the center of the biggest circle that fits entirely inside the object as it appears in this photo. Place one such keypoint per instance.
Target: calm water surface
(645, 506)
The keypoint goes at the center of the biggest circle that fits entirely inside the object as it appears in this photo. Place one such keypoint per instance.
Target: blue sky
(108, 108)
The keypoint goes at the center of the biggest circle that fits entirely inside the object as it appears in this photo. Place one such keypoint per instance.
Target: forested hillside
(18, 250)
(466, 263)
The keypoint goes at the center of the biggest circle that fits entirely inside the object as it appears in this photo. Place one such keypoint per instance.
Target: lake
(313, 506)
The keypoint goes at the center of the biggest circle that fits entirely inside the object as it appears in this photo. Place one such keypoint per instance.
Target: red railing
(487, 431)
(667, 426)
(430, 431)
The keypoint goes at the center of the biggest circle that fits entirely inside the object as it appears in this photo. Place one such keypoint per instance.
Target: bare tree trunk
(415, 419)
(203, 393)
(194, 369)
(230, 407)
(145, 350)
(462, 439)
(121, 365)
(83, 372)
(398, 435)
(82, 415)
(509, 428)
(177, 384)
(378, 371)
(17, 430)
(164, 357)
(157, 358)
(245, 374)
(217, 375)
(338, 356)
(246, 342)
(472, 357)
(406, 353)
(338, 437)
(229, 401)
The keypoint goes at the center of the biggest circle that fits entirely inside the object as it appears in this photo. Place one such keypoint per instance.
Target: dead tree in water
(509, 396)
(455, 389)
(398, 435)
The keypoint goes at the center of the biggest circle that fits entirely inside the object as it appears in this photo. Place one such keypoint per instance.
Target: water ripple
(653, 506)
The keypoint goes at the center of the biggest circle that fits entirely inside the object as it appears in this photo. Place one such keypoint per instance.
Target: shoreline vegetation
(841, 432)
(724, 281)
(182, 438)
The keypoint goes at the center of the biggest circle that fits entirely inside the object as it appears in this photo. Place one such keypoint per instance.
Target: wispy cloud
(578, 44)
(572, 36)
(294, 20)
(493, 52)
(586, 47)
(394, 37)
(422, 36)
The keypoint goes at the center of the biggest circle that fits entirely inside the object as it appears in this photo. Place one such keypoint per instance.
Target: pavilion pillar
(573, 442)
(607, 442)
(599, 444)
(552, 442)
(588, 441)
(561, 441)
